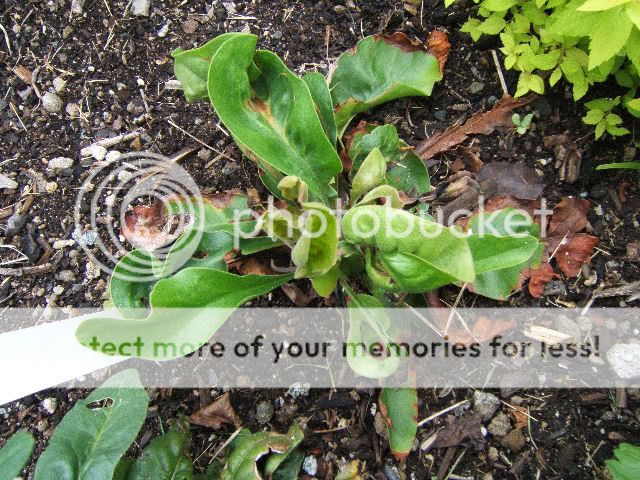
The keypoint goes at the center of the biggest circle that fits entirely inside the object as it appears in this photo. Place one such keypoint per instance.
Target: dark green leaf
(399, 406)
(165, 458)
(15, 454)
(130, 284)
(271, 113)
(379, 69)
(324, 106)
(626, 464)
(88, 442)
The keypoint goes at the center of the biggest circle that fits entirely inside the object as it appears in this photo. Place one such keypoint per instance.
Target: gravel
(51, 102)
(514, 440)
(264, 412)
(60, 166)
(140, 8)
(624, 359)
(500, 425)
(485, 404)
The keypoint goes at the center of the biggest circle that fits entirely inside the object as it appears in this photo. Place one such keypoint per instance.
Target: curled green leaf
(15, 455)
(370, 174)
(316, 251)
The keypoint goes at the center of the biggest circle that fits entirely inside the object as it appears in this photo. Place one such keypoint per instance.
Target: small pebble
(72, 109)
(51, 102)
(500, 425)
(110, 200)
(140, 8)
(58, 290)
(475, 87)
(339, 9)
(59, 84)
(299, 390)
(60, 165)
(51, 187)
(6, 182)
(514, 440)
(264, 412)
(112, 156)
(124, 176)
(66, 276)
(49, 405)
(98, 152)
(310, 465)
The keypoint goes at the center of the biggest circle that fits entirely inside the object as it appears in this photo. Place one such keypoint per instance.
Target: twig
(109, 142)
(173, 124)
(442, 412)
(503, 84)
(16, 113)
(225, 444)
(22, 271)
(6, 38)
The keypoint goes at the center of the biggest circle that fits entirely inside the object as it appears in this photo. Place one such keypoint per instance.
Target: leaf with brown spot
(218, 412)
(576, 251)
(482, 123)
(148, 228)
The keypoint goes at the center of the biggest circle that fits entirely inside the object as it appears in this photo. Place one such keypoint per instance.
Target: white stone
(98, 152)
(624, 360)
(93, 271)
(59, 163)
(59, 84)
(310, 465)
(58, 289)
(51, 102)
(113, 155)
(110, 200)
(124, 176)
(67, 276)
(51, 187)
(49, 405)
(6, 182)
(140, 8)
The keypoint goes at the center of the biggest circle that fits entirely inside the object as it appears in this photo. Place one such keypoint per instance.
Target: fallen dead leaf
(568, 156)
(296, 295)
(514, 179)
(459, 430)
(438, 45)
(468, 159)
(147, 227)
(538, 278)
(482, 123)
(521, 417)
(482, 330)
(251, 266)
(569, 217)
(218, 412)
(574, 252)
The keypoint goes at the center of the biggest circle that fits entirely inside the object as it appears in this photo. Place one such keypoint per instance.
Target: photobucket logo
(138, 191)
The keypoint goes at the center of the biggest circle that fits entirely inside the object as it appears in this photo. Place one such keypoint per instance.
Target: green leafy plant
(295, 144)
(599, 114)
(92, 438)
(626, 464)
(583, 42)
(522, 124)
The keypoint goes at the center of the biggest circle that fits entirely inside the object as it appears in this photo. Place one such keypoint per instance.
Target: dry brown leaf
(459, 430)
(569, 217)
(482, 330)
(439, 46)
(468, 159)
(538, 278)
(521, 417)
(514, 179)
(482, 123)
(147, 227)
(296, 295)
(218, 412)
(251, 266)
(574, 252)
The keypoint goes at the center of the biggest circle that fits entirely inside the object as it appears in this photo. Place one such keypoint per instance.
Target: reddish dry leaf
(479, 123)
(223, 199)
(482, 330)
(251, 266)
(469, 159)
(459, 430)
(521, 417)
(569, 217)
(538, 278)
(574, 252)
(438, 45)
(147, 227)
(500, 203)
(622, 190)
(218, 412)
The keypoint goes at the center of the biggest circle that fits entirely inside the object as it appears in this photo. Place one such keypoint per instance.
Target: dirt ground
(117, 72)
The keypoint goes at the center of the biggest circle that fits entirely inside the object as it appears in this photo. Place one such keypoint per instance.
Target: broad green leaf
(493, 25)
(317, 248)
(289, 469)
(191, 67)
(267, 448)
(572, 22)
(633, 48)
(130, 283)
(379, 69)
(399, 407)
(492, 252)
(249, 246)
(324, 104)
(166, 458)
(390, 195)
(370, 174)
(271, 114)
(385, 138)
(88, 442)
(498, 5)
(633, 11)
(555, 76)
(15, 454)
(122, 469)
(326, 283)
(174, 326)
(598, 5)
(600, 129)
(634, 104)
(626, 462)
(293, 188)
(609, 36)
(419, 255)
(410, 175)
(368, 326)
(593, 117)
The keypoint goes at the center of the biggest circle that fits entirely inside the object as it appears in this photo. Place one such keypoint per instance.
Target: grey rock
(440, 114)
(6, 182)
(299, 390)
(310, 465)
(84, 239)
(15, 224)
(140, 8)
(555, 287)
(514, 440)
(66, 276)
(76, 7)
(60, 166)
(340, 9)
(485, 404)
(59, 84)
(264, 412)
(98, 152)
(277, 35)
(500, 425)
(51, 102)
(475, 87)
(49, 405)
(391, 472)
(624, 360)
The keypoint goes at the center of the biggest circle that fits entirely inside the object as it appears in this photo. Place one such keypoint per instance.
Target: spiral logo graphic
(139, 191)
